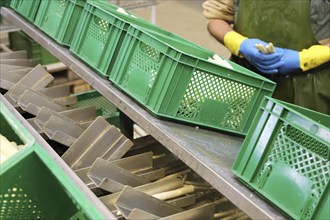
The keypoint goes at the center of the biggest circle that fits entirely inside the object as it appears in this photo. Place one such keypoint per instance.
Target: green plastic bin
(285, 157)
(59, 19)
(33, 183)
(102, 30)
(35, 187)
(175, 80)
(103, 106)
(127, 17)
(26, 8)
(99, 39)
(20, 41)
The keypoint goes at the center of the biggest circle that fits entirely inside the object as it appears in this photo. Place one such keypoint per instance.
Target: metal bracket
(140, 214)
(150, 189)
(100, 139)
(37, 78)
(19, 62)
(81, 116)
(14, 55)
(59, 94)
(135, 163)
(113, 178)
(125, 204)
(63, 131)
(8, 78)
(32, 101)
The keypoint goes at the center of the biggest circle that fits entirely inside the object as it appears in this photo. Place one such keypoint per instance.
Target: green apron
(287, 24)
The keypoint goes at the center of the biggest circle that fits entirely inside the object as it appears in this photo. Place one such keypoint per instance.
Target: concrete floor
(184, 18)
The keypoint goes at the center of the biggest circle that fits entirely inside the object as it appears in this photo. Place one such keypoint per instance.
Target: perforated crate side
(174, 80)
(100, 39)
(286, 158)
(28, 9)
(59, 19)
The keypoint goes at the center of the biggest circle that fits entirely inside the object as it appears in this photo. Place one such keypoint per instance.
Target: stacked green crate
(286, 158)
(20, 41)
(102, 29)
(59, 19)
(26, 8)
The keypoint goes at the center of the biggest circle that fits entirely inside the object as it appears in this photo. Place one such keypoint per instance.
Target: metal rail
(6, 27)
(210, 154)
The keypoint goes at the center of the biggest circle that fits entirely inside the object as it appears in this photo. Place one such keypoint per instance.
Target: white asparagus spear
(7, 148)
(175, 193)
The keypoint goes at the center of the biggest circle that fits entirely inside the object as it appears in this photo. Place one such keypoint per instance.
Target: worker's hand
(288, 61)
(242, 46)
(266, 63)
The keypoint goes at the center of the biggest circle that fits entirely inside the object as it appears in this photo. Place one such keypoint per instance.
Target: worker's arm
(218, 28)
(283, 61)
(220, 14)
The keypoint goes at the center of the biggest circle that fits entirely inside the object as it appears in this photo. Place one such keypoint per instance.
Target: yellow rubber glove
(233, 41)
(314, 56)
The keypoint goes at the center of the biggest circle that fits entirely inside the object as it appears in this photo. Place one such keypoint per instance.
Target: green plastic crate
(103, 106)
(59, 19)
(99, 38)
(26, 8)
(35, 187)
(102, 30)
(285, 157)
(33, 183)
(127, 17)
(20, 41)
(175, 80)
